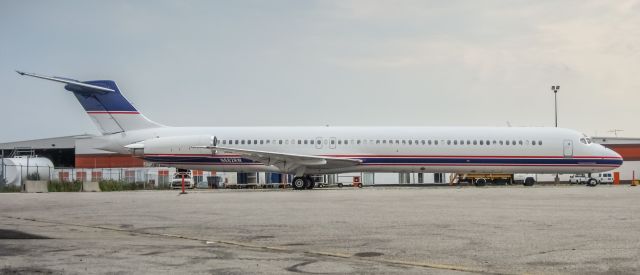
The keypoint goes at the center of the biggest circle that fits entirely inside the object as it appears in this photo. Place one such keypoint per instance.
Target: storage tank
(16, 170)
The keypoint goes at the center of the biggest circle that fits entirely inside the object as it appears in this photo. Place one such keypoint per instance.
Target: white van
(606, 177)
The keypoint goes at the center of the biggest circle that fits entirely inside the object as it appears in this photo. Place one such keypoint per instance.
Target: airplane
(307, 151)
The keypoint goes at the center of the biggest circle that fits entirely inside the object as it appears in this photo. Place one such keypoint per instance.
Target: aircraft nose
(615, 155)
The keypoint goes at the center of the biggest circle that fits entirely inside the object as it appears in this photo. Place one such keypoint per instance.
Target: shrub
(9, 188)
(33, 176)
(117, 185)
(62, 186)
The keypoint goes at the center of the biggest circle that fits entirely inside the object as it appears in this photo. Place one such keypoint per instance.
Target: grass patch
(116, 185)
(9, 188)
(62, 186)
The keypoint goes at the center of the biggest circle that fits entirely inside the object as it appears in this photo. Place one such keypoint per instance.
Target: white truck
(595, 179)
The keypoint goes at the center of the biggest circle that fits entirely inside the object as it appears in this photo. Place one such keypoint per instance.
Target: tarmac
(390, 230)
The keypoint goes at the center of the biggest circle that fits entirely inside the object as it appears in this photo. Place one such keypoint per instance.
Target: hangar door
(568, 148)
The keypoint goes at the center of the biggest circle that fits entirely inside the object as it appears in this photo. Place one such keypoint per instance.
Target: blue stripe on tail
(93, 101)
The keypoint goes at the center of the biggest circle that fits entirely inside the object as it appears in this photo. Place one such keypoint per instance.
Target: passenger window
(520, 142)
(287, 141)
(333, 141)
(448, 142)
(410, 142)
(224, 142)
(539, 142)
(358, 141)
(340, 141)
(455, 142)
(435, 142)
(429, 142)
(422, 142)
(346, 142)
(507, 142)
(299, 141)
(279, 141)
(404, 141)
(501, 143)
(482, 142)
(475, 142)
(513, 142)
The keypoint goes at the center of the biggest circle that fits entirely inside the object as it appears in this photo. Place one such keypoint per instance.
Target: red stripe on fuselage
(113, 112)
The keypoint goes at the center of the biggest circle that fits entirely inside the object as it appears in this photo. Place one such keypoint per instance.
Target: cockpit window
(585, 141)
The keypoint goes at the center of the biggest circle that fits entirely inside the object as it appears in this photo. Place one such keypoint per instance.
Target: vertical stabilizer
(103, 102)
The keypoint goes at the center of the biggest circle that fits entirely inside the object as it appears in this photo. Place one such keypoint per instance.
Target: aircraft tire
(340, 185)
(299, 183)
(481, 182)
(309, 183)
(592, 182)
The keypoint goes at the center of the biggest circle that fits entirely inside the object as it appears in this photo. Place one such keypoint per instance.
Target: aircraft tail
(109, 110)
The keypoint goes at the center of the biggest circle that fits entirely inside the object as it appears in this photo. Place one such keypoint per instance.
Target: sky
(316, 63)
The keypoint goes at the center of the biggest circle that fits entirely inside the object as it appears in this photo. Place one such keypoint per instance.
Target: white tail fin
(104, 103)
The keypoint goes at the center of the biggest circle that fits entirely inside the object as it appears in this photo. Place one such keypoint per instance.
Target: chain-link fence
(11, 174)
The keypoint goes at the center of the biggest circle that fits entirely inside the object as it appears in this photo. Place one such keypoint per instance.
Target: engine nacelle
(180, 145)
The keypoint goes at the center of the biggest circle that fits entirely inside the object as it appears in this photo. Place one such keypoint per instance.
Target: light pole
(555, 95)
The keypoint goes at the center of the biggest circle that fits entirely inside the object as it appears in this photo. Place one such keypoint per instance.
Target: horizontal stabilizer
(84, 87)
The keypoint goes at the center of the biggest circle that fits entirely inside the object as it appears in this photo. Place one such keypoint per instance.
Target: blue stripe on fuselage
(400, 160)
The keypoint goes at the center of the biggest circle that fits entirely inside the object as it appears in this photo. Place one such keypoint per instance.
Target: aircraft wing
(285, 161)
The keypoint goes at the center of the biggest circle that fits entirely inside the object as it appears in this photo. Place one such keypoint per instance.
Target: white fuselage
(381, 149)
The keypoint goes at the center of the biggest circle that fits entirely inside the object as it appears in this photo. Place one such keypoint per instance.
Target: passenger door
(332, 143)
(567, 148)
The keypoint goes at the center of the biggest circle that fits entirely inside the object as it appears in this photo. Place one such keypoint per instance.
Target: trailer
(482, 179)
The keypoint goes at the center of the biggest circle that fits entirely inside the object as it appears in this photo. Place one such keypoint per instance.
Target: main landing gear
(305, 182)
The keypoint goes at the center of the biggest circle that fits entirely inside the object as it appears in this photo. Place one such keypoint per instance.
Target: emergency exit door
(568, 148)
(319, 143)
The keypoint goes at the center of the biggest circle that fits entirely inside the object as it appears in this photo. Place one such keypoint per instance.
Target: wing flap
(285, 160)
